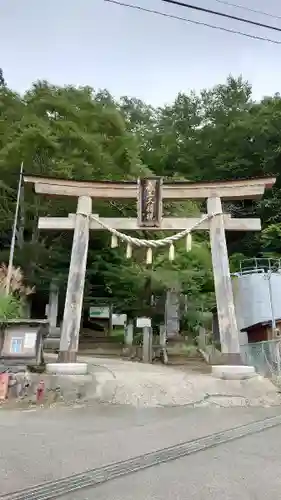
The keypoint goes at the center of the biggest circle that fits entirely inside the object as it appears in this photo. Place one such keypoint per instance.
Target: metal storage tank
(257, 292)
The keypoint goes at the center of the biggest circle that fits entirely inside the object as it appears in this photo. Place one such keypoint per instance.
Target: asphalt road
(248, 469)
(51, 444)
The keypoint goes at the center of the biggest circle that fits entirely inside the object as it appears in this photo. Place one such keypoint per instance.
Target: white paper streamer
(188, 242)
(114, 241)
(129, 251)
(149, 256)
(172, 252)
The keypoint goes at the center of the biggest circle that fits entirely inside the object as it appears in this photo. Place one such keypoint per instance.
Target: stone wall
(25, 388)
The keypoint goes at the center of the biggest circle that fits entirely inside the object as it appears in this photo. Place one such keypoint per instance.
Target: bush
(11, 307)
(17, 286)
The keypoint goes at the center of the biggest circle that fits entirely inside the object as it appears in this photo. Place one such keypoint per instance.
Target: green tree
(64, 132)
(2, 79)
(77, 133)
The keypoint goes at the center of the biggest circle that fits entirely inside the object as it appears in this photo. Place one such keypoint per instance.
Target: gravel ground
(141, 385)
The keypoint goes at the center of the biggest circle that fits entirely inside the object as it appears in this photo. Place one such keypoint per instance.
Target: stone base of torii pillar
(233, 372)
(67, 368)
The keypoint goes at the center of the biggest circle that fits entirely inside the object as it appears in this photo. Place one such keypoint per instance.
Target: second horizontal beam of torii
(131, 224)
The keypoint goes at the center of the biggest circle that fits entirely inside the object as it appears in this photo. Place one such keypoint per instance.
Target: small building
(256, 293)
(263, 331)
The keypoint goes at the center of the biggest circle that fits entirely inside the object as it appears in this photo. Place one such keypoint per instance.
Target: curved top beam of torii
(239, 189)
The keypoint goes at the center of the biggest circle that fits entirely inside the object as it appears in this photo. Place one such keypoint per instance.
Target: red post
(40, 391)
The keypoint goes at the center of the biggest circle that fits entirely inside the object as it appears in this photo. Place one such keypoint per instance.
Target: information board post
(163, 344)
(145, 324)
(129, 334)
(147, 345)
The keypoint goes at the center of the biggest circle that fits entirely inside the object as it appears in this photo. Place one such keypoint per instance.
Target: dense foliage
(82, 134)
(13, 305)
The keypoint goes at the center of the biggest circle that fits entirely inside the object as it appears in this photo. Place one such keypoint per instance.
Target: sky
(143, 55)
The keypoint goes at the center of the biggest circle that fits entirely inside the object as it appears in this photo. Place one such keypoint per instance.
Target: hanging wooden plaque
(150, 202)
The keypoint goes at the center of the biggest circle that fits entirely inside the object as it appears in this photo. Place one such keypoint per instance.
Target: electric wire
(221, 14)
(191, 21)
(248, 9)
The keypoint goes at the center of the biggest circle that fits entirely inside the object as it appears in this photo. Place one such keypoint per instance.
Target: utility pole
(13, 241)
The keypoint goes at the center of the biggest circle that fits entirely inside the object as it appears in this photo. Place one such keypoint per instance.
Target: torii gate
(150, 215)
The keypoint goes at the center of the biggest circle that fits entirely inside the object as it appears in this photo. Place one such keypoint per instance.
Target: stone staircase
(97, 343)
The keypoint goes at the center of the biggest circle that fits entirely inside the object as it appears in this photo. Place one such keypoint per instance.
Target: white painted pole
(13, 241)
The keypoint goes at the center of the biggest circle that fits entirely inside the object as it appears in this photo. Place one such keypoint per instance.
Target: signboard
(143, 322)
(150, 202)
(30, 340)
(99, 312)
(119, 319)
(16, 345)
(23, 340)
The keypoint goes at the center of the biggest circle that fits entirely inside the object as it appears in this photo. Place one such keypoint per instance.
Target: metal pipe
(273, 322)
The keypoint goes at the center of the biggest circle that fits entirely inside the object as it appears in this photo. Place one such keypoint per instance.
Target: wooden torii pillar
(213, 192)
